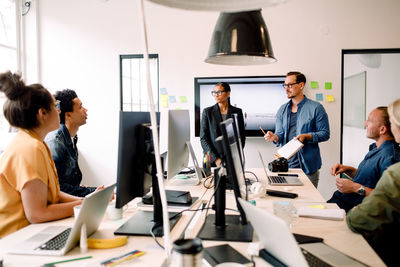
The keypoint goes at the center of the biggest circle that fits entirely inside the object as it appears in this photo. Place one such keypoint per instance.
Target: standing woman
(211, 118)
(29, 189)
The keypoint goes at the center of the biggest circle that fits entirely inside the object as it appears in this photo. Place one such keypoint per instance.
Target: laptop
(280, 180)
(279, 242)
(58, 240)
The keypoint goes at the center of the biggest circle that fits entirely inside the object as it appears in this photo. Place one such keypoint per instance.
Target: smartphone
(344, 175)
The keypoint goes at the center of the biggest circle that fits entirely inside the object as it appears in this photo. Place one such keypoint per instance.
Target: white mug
(113, 213)
(77, 209)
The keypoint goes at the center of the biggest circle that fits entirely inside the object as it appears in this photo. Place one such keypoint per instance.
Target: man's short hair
(66, 104)
(300, 77)
(385, 119)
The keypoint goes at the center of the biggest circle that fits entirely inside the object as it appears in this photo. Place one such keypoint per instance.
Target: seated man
(377, 218)
(383, 153)
(62, 143)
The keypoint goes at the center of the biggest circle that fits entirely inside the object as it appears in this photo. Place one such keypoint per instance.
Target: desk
(335, 233)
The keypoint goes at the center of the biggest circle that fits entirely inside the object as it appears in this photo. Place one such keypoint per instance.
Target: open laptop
(58, 240)
(278, 241)
(280, 180)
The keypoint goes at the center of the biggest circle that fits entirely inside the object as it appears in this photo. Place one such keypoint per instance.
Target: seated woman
(211, 118)
(377, 218)
(29, 189)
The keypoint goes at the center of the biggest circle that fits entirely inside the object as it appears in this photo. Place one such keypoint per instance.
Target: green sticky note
(183, 99)
(314, 84)
(328, 85)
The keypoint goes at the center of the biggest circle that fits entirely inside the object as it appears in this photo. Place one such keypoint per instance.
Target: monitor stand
(142, 222)
(223, 227)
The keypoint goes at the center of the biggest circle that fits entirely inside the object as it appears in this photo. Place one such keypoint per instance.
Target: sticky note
(314, 84)
(328, 85)
(183, 99)
(172, 99)
(164, 101)
(163, 91)
(319, 97)
(330, 98)
(320, 206)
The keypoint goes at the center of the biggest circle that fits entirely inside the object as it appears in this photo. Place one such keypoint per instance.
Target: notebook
(212, 256)
(280, 180)
(279, 243)
(51, 240)
(288, 150)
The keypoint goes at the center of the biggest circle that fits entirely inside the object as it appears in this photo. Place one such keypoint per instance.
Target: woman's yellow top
(25, 159)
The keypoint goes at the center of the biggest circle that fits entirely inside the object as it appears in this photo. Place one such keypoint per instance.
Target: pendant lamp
(218, 5)
(240, 38)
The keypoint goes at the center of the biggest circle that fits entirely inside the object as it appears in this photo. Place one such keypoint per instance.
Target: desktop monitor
(221, 226)
(178, 136)
(136, 174)
(239, 140)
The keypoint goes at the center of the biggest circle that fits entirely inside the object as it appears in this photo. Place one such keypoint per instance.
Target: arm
(241, 128)
(322, 132)
(205, 138)
(346, 186)
(37, 210)
(277, 137)
(339, 168)
(381, 207)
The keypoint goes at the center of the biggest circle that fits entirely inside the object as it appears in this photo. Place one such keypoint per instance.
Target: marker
(261, 129)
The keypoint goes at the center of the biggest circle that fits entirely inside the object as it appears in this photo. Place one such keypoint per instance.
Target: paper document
(327, 214)
(289, 149)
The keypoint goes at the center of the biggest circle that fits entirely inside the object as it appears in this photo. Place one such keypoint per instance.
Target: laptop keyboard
(57, 242)
(278, 179)
(313, 260)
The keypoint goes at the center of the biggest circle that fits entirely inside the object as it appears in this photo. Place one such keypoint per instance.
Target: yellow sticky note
(183, 99)
(320, 206)
(314, 85)
(164, 101)
(330, 98)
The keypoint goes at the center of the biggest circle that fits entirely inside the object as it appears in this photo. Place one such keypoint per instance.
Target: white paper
(289, 149)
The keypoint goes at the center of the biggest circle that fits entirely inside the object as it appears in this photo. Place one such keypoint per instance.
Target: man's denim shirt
(65, 156)
(311, 119)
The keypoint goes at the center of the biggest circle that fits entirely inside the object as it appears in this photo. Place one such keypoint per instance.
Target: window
(8, 50)
(134, 96)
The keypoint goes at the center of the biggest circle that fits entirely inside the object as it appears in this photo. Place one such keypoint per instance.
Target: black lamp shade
(240, 38)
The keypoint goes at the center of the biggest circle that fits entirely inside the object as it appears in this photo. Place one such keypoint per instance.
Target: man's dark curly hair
(66, 104)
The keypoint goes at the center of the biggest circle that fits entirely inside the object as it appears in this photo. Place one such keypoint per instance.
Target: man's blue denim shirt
(65, 156)
(311, 119)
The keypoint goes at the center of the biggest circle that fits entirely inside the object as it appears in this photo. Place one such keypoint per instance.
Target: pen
(119, 257)
(75, 259)
(137, 254)
(261, 129)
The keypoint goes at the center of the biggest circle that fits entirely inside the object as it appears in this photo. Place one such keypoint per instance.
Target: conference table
(335, 233)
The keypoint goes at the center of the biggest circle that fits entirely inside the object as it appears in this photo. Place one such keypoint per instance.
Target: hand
(303, 137)
(271, 137)
(218, 162)
(345, 185)
(337, 168)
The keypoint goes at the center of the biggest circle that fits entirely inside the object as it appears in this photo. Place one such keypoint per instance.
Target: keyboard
(278, 179)
(57, 242)
(313, 260)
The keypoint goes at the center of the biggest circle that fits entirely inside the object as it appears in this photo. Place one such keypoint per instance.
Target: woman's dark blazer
(210, 129)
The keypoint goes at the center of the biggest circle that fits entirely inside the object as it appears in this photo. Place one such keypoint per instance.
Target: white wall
(81, 41)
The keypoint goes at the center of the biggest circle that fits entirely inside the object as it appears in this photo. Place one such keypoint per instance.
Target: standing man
(62, 143)
(305, 120)
(383, 153)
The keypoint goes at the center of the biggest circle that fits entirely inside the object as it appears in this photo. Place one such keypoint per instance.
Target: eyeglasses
(218, 93)
(288, 85)
(58, 104)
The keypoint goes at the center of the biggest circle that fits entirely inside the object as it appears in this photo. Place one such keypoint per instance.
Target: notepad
(289, 149)
(327, 214)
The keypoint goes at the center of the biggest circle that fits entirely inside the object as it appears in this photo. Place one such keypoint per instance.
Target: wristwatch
(361, 191)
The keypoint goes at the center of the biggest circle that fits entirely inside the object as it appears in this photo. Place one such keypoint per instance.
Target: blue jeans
(314, 178)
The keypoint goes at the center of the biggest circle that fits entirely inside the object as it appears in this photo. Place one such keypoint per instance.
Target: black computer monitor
(221, 226)
(136, 174)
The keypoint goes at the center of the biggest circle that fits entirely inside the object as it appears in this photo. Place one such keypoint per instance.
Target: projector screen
(259, 97)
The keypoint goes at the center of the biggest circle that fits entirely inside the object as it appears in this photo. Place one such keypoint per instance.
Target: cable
(252, 173)
(154, 237)
(28, 5)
